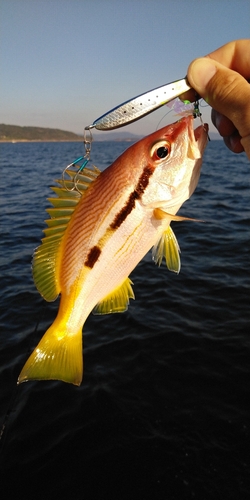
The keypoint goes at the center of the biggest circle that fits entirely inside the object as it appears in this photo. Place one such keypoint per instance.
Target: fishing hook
(87, 140)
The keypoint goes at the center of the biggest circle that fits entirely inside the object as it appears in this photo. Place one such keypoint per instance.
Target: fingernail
(202, 70)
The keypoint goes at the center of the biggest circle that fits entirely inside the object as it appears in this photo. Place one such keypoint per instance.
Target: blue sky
(66, 62)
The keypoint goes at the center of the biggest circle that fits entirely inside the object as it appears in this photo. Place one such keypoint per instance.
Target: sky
(64, 63)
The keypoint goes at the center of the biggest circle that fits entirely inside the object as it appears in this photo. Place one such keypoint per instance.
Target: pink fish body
(87, 255)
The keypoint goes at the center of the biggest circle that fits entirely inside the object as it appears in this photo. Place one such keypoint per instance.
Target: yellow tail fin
(58, 356)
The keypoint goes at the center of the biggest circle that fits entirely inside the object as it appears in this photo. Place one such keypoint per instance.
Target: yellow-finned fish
(95, 238)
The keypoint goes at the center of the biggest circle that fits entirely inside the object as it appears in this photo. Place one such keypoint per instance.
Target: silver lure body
(139, 106)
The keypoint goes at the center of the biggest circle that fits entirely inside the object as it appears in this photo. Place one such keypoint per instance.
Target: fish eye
(160, 150)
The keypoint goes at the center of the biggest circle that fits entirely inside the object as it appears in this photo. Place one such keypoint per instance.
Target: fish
(99, 232)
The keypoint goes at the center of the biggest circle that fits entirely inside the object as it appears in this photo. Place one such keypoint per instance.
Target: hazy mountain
(9, 133)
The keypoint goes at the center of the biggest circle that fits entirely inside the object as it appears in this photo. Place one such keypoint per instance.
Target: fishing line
(183, 108)
(4, 427)
(164, 116)
(203, 104)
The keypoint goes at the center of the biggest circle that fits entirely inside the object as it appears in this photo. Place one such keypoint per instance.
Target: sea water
(163, 410)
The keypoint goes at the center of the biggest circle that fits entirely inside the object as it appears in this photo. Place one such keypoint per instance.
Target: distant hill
(9, 133)
(14, 133)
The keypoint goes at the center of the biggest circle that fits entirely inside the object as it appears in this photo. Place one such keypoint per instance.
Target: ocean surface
(163, 412)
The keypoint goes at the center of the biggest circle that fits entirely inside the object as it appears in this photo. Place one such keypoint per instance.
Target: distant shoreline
(13, 141)
(16, 134)
(12, 134)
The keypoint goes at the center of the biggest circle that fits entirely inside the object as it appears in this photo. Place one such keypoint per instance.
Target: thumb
(225, 90)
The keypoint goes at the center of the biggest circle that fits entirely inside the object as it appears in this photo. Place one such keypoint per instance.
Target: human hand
(221, 79)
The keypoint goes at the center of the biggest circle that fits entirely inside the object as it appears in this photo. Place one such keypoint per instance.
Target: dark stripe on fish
(136, 195)
(95, 251)
(92, 257)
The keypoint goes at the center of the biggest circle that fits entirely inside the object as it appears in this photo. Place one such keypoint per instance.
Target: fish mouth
(201, 133)
(197, 139)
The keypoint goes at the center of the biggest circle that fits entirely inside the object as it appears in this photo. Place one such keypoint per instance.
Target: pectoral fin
(161, 214)
(167, 246)
(117, 300)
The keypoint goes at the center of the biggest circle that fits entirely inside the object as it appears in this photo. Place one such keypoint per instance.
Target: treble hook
(87, 140)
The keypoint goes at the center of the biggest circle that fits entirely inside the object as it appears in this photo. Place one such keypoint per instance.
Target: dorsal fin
(167, 246)
(45, 256)
(117, 300)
